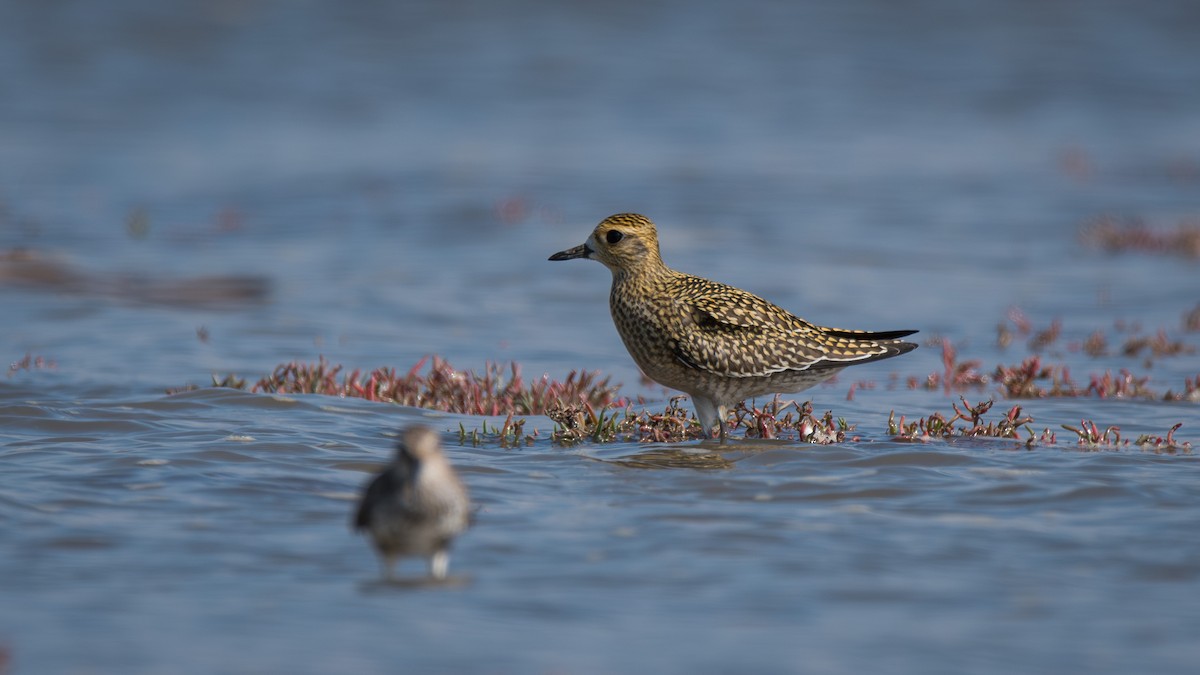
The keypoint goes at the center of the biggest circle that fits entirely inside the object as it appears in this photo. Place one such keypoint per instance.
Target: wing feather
(389, 492)
(732, 333)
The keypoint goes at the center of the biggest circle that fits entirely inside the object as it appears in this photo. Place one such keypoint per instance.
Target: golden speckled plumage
(715, 342)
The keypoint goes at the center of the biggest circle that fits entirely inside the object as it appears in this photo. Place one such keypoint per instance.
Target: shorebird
(416, 506)
(716, 343)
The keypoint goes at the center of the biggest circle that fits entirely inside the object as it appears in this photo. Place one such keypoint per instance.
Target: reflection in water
(396, 584)
(676, 458)
(707, 454)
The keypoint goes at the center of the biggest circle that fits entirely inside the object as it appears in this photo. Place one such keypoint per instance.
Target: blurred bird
(717, 343)
(416, 506)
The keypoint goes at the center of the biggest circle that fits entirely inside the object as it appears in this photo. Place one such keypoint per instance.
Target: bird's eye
(613, 236)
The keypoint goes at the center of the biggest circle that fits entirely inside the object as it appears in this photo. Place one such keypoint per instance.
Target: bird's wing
(732, 333)
(393, 487)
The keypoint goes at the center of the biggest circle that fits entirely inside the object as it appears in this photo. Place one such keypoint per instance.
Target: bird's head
(625, 242)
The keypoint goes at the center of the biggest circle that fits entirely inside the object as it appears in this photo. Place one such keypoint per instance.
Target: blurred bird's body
(717, 343)
(416, 506)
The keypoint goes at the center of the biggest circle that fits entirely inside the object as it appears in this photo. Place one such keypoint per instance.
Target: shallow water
(219, 188)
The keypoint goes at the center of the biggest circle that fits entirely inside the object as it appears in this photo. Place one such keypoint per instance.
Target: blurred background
(208, 187)
(395, 174)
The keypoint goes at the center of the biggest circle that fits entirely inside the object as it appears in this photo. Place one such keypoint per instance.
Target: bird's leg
(709, 414)
(438, 562)
(387, 565)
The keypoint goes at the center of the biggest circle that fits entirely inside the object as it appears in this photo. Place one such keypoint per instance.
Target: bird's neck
(646, 272)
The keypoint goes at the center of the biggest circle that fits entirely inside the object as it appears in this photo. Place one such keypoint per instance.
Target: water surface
(219, 188)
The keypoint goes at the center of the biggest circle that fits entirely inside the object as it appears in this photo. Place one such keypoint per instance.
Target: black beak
(580, 251)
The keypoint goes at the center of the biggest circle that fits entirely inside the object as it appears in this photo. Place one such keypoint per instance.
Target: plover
(717, 343)
(416, 506)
